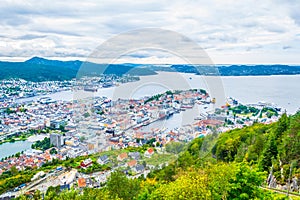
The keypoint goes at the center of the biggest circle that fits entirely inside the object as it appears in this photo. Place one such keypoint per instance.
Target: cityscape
(62, 133)
(147, 100)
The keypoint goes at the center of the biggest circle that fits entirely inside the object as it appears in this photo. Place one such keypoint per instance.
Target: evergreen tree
(269, 153)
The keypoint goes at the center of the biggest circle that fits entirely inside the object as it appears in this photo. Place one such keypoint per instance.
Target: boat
(146, 123)
(107, 85)
(90, 89)
(187, 106)
(198, 118)
(213, 100)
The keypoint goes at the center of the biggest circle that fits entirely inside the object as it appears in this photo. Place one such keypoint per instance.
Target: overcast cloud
(229, 31)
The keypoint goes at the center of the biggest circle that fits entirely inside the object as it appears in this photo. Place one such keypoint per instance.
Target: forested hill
(40, 69)
(276, 144)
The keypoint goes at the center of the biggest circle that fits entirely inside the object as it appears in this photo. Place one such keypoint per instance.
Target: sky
(229, 31)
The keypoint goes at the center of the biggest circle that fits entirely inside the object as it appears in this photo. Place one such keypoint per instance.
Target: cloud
(30, 37)
(225, 29)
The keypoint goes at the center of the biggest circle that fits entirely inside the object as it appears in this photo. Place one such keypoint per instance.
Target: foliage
(42, 144)
(175, 147)
(190, 185)
(119, 186)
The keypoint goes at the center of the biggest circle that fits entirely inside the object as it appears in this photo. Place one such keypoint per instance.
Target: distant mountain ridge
(42, 61)
(41, 69)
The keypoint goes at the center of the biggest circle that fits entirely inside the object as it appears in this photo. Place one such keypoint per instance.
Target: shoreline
(32, 138)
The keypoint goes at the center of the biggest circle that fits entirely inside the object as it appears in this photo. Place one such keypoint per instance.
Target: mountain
(35, 72)
(239, 70)
(42, 61)
(41, 69)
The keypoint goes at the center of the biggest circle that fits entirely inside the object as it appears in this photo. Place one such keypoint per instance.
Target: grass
(157, 159)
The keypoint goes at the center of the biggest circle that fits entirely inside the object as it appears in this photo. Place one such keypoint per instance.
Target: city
(105, 135)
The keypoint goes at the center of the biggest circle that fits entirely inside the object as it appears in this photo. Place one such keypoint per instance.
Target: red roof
(150, 151)
(81, 182)
(132, 163)
(122, 156)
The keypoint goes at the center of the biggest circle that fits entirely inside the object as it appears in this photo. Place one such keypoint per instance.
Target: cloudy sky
(229, 31)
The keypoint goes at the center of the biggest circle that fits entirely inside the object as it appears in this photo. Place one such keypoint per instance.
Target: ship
(213, 100)
(90, 89)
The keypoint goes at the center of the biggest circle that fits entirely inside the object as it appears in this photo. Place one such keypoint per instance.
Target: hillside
(238, 70)
(39, 69)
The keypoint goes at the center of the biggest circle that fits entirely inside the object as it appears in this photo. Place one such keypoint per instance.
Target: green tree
(175, 147)
(245, 182)
(190, 185)
(14, 170)
(269, 153)
(120, 186)
(282, 126)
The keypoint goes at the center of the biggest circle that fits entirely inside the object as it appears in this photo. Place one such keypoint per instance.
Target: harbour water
(8, 149)
(281, 90)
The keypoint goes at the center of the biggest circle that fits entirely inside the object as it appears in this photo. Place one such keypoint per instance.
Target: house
(149, 153)
(135, 155)
(81, 182)
(139, 169)
(132, 163)
(86, 163)
(65, 187)
(103, 160)
(122, 156)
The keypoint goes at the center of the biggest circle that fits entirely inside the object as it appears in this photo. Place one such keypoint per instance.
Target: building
(122, 156)
(139, 169)
(135, 155)
(81, 182)
(56, 140)
(86, 163)
(132, 163)
(149, 153)
(103, 160)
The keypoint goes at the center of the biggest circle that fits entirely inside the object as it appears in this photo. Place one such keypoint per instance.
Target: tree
(14, 170)
(245, 182)
(195, 146)
(189, 185)
(186, 160)
(53, 151)
(175, 147)
(52, 192)
(269, 153)
(282, 126)
(37, 195)
(120, 186)
(86, 115)
(218, 179)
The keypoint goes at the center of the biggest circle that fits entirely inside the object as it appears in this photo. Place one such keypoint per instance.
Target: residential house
(86, 163)
(139, 169)
(103, 160)
(135, 155)
(81, 182)
(132, 163)
(122, 156)
(149, 153)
